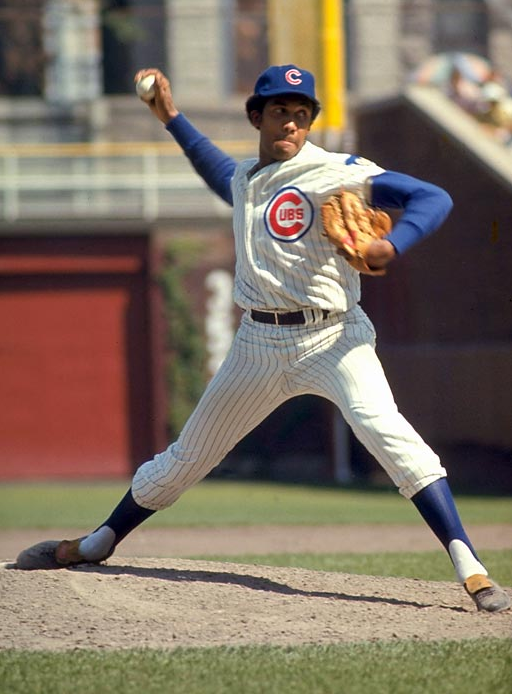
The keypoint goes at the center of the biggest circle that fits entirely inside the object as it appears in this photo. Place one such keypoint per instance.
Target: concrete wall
(199, 49)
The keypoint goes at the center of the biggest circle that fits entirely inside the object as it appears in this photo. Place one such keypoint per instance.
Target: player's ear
(255, 117)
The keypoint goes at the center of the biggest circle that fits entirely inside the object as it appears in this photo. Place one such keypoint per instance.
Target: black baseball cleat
(487, 595)
(53, 554)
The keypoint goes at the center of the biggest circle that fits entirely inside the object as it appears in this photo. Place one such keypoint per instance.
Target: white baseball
(145, 88)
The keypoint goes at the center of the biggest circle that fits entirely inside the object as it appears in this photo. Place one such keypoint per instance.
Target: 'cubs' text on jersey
(284, 261)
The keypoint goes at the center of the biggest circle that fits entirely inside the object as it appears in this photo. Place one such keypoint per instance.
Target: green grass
(219, 503)
(401, 667)
(467, 667)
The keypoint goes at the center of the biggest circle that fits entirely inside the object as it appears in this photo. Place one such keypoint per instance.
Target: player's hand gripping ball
(351, 227)
(145, 88)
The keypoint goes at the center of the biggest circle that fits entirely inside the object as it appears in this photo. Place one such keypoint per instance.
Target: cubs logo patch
(293, 76)
(289, 215)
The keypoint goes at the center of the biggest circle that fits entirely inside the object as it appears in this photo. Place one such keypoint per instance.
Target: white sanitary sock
(464, 560)
(97, 545)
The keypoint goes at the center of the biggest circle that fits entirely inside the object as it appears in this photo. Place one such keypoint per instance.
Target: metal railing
(132, 180)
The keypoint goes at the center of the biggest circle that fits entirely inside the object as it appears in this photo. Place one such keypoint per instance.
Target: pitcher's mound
(167, 602)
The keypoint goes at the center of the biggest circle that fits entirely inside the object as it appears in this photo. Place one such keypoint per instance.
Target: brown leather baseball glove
(351, 227)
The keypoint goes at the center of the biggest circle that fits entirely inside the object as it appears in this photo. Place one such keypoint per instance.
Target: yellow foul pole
(333, 70)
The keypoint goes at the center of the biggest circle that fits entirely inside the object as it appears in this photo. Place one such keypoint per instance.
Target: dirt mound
(167, 602)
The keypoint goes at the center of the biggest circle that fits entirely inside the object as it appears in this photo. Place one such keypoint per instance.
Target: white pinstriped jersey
(284, 262)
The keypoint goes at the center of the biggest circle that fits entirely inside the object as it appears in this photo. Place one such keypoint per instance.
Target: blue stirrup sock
(127, 516)
(437, 506)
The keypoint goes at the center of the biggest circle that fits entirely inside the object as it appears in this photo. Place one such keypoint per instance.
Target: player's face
(284, 125)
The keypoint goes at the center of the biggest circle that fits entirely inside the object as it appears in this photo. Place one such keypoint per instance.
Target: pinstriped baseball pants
(268, 365)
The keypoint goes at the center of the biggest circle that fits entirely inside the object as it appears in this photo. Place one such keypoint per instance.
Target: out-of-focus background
(116, 262)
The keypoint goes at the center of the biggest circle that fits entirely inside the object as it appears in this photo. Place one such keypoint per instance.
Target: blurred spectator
(480, 92)
(463, 92)
(495, 109)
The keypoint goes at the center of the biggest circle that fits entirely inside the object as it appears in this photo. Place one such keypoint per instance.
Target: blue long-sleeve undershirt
(425, 205)
(214, 166)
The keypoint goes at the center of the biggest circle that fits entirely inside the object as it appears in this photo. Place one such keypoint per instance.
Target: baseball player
(303, 330)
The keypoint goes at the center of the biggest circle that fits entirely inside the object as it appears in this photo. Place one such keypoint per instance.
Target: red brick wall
(76, 391)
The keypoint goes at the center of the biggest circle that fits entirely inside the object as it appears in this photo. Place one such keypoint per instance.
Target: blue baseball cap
(286, 79)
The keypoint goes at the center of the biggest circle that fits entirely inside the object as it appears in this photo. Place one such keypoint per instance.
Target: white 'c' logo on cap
(293, 76)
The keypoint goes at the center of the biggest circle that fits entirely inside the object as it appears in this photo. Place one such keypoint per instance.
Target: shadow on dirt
(247, 581)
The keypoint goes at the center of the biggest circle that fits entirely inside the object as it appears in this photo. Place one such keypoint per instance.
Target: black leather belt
(275, 318)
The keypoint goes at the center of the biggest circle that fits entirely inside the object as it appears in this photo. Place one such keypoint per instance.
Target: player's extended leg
(243, 392)
(362, 393)
(437, 506)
